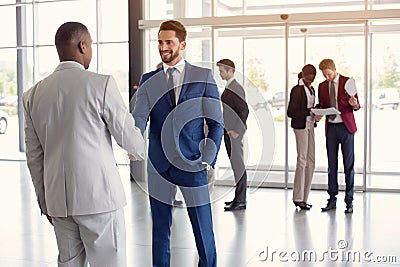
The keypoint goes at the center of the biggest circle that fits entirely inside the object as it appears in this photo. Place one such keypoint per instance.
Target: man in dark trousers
(179, 99)
(235, 112)
(339, 130)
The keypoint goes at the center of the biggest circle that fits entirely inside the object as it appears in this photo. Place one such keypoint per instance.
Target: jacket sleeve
(120, 122)
(294, 104)
(241, 109)
(34, 151)
(213, 118)
(141, 109)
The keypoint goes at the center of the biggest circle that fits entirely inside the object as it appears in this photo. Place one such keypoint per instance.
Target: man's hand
(353, 101)
(233, 134)
(318, 117)
(206, 165)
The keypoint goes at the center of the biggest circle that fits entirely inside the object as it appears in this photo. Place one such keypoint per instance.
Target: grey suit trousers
(234, 149)
(97, 239)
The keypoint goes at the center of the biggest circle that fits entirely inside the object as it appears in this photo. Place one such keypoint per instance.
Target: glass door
(383, 105)
(259, 56)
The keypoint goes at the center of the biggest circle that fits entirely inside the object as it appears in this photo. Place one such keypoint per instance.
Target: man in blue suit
(179, 99)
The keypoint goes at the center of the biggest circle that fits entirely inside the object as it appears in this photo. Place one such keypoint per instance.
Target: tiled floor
(269, 233)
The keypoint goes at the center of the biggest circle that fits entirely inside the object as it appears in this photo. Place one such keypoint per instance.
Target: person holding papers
(302, 99)
(339, 92)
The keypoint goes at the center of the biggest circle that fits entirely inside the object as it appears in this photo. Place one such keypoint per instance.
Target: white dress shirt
(178, 76)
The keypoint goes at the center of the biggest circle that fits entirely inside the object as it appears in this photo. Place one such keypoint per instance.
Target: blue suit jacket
(176, 134)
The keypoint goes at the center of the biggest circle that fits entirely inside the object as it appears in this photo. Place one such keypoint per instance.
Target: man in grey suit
(236, 111)
(70, 117)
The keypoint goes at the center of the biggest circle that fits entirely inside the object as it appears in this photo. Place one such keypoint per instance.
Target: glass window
(114, 60)
(264, 65)
(383, 4)
(197, 9)
(156, 9)
(9, 142)
(8, 2)
(168, 9)
(262, 7)
(114, 21)
(384, 100)
(48, 21)
(46, 61)
(8, 32)
(198, 48)
(229, 7)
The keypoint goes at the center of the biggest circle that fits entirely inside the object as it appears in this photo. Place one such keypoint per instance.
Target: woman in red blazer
(339, 130)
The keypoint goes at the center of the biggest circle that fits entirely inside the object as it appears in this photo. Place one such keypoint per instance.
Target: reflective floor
(271, 232)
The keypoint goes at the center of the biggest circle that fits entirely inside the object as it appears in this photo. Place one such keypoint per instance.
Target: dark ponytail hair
(300, 75)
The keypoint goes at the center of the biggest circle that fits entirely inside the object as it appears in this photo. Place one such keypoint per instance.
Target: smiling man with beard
(179, 99)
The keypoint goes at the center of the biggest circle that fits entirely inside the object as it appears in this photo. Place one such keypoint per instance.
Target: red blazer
(344, 107)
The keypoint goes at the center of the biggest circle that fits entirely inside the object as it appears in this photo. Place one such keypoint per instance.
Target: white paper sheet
(325, 111)
(350, 87)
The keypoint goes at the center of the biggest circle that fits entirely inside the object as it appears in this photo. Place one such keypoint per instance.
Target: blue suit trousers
(162, 189)
(336, 135)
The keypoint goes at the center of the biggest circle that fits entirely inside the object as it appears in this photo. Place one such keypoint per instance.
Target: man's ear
(183, 45)
(82, 47)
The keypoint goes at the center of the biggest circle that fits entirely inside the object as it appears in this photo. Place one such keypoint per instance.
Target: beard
(169, 57)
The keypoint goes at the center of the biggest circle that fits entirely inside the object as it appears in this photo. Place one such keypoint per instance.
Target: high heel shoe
(302, 205)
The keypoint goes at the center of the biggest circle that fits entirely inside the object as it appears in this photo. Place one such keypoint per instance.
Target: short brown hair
(227, 64)
(327, 63)
(176, 26)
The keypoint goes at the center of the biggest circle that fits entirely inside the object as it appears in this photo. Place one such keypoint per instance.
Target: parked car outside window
(385, 98)
(9, 101)
(278, 100)
(3, 122)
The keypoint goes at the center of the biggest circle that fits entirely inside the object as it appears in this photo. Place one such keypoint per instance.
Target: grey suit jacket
(70, 117)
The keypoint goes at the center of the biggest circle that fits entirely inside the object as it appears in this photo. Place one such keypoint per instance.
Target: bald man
(70, 117)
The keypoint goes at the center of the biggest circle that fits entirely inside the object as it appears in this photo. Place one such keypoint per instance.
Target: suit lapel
(186, 80)
(160, 80)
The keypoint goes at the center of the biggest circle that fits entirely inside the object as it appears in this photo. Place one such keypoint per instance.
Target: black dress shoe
(227, 203)
(236, 206)
(349, 208)
(330, 206)
(302, 205)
